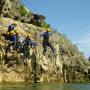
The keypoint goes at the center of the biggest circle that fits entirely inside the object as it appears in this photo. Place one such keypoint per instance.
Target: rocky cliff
(68, 65)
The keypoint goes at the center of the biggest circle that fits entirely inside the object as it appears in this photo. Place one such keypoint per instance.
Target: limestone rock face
(9, 8)
(14, 9)
(68, 65)
(2, 2)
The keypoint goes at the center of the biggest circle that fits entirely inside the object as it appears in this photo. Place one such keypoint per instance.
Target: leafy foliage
(45, 25)
(23, 10)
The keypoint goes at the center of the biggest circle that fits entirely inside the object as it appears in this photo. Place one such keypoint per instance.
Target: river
(48, 86)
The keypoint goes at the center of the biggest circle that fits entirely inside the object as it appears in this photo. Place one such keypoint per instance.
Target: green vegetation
(45, 25)
(23, 10)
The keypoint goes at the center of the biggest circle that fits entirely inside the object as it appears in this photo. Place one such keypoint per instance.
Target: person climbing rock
(7, 36)
(46, 42)
(12, 26)
(27, 44)
(18, 43)
(12, 40)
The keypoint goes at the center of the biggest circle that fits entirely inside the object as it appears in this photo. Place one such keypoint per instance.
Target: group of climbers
(13, 37)
(16, 44)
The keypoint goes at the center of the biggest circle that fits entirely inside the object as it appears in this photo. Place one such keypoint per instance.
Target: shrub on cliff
(45, 25)
(23, 10)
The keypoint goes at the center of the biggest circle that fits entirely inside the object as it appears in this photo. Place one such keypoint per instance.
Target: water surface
(48, 86)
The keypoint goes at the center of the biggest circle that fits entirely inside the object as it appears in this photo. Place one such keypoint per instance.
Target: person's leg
(24, 52)
(44, 48)
(18, 46)
(28, 52)
(49, 44)
(14, 46)
(8, 47)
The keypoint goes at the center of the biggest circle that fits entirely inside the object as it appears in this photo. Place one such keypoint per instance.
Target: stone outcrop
(9, 8)
(14, 9)
(68, 65)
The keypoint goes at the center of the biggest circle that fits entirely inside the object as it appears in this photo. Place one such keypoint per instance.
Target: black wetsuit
(46, 42)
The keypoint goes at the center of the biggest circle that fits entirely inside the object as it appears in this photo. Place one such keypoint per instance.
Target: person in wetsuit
(27, 44)
(12, 26)
(46, 42)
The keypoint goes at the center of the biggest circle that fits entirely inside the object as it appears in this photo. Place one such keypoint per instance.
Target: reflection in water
(49, 86)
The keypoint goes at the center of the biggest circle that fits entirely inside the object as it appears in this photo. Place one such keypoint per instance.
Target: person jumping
(46, 42)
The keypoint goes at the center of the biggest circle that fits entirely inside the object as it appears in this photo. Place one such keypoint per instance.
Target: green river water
(49, 86)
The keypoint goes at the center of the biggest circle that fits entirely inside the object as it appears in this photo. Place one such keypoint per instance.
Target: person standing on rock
(12, 26)
(18, 43)
(12, 41)
(46, 42)
(27, 43)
